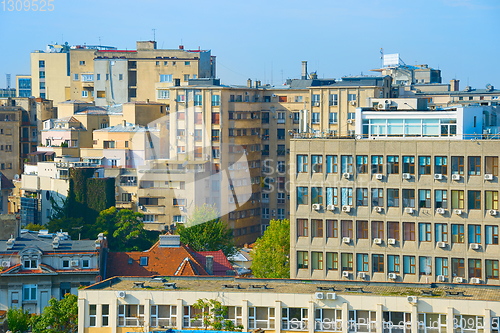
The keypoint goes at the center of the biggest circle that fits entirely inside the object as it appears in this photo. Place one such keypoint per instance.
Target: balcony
(123, 205)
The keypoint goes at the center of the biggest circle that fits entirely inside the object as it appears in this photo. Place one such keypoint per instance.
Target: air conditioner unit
(181, 208)
(141, 207)
(346, 209)
(318, 295)
(440, 211)
(379, 176)
(455, 177)
(406, 176)
(392, 276)
(475, 246)
(73, 263)
(409, 210)
(121, 294)
(274, 95)
(353, 103)
(349, 121)
(346, 175)
(362, 275)
(458, 211)
(345, 274)
(441, 278)
(441, 244)
(330, 207)
(379, 209)
(459, 279)
(391, 241)
(331, 296)
(5, 263)
(191, 133)
(488, 176)
(438, 176)
(493, 212)
(346, 240)
(377, 241)
(316, 103)
(412, 299)
(179, 137)
(475, 280)
(291, 116)
(316, 206)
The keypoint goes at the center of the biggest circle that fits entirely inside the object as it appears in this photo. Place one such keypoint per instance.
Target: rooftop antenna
(381, 57)
(271, 73)
(8, 80)
(154, 35)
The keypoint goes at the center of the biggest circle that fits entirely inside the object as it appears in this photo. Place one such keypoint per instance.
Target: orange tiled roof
(221, 264)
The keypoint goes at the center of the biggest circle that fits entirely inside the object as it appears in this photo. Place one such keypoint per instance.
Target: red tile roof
(221, 264)
(167, 261)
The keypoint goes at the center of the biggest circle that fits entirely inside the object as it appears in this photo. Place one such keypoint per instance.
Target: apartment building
(125, 304)
(412, 197)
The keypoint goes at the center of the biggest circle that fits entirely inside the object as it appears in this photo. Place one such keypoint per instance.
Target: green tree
(34, 227)
(18, 320)
(213, 235)
(202, 214)
(271, 253)
(214, 315)
(58, 316)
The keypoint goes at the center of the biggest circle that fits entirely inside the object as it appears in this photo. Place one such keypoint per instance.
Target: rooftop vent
(138, 284)
(11, 242)
(231, 286)
(170, 240)
(169, 285)
(258, 286)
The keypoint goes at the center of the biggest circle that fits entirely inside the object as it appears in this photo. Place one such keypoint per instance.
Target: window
(302, 196)
(362, 229)
(377, 197)
(75, 77)
(393, 230)
(186, 77)
(294, 318)
(346, 262)
(317, 163)
(317, 260)
(333, 99)
(425, 265)
(87, 77)
(424, 198)
(317, 195)
(315, 118)
(377, 164)
(458, 267)
(347, 229)
(32, 264)
(105, 314)
(441, 197)
(409, 198)
(29, 292)
(442, 266)
(92, 315)
(98, 77)
(393, 164)
(166, 315)
(409, 264)
(392, 264)
(351, 97)
(163, 94)
(302, 227)
(474, 234)
(302, 259)
(131, 315)
(143, 261)
(317, 228)
(457, 165)
(492, 270)
(362, 262)
(491, 234)
(409, 231)
(332, 229)
(475, 268)
(331, 164)
(215, 100)
(361, 164)
(441, 232)
(346, 164)
(179, 202)
(42, 75)
(361, 197)
(332, 117)
(457, 199)
(409, 164)
(261, 317)
(474, 165)
(491, 200)
(332, 261)
(165, 77)
(424, 232)
(457, 233)
(392, 197)
(41, 63)
(101, 94)
(491, 165)
(424, 165)
(377, 229)
(301, 163)
(346, 196)
(441, 165)
(378, 263)
(85, 93)
(474, 199)
(85, 263)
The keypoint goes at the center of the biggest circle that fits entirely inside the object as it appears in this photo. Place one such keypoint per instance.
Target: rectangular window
(302, 163)
(131, 315)
(332, 261)
(393, 230)
(166, 78)
(441, 232)
(333, 99)
(92, 315)
(442, 266)
(377, 197)
(377, 229)
(409, 265)
(75, 77)
(441, 165)
(491, 234)
(392, 164)
(491, 200)
(424, 232)
(408, 198)
(474, 165)
(346, 196)
(362, 164)
(457, 165)
(302, 259)
(361, 197)
(457, 199)
(302, 198)
(441, 197)
(424, 165)
(377, 164)
(378, 263)
(457, 233)
(317, 228)
(409, 164)
(409, 231)
(362, 229)
(29, 292)
(474, 199)
(317, 260)
(105, 315)
(392, 197)
(331, 196)
(346, 164)
(331, 164)
(474, 234)
(215, 100)
(332, 117)
(347, 229)
(332, 229)
(362, 262)
(317, 163)
(458, 267)
(424, 198)
(491, 165)
(475, 268)
(347, 263)
(392, 264)
(425, 265)
(492, 270)
(302, 227)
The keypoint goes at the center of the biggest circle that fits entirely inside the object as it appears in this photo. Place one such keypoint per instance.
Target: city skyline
(267, 41)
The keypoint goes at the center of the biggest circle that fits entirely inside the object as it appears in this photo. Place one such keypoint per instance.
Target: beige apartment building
(397, 202)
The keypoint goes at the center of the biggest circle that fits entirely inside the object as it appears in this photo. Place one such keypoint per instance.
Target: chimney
(249, 83)
(454, 85)
(170, 240)
(304, 70)
(257, 84)
(209, 264)
(181, 47)
(124, 123)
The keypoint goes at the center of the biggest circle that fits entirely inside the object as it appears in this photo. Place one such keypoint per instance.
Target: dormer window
(65, 263)
(30, 264)
(85, 263)
(144, 261)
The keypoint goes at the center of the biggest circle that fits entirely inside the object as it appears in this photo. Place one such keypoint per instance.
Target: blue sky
(267, 40)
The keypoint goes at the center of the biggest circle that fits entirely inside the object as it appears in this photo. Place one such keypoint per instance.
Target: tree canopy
(18, 320)
(202, 214)
(271, 252)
